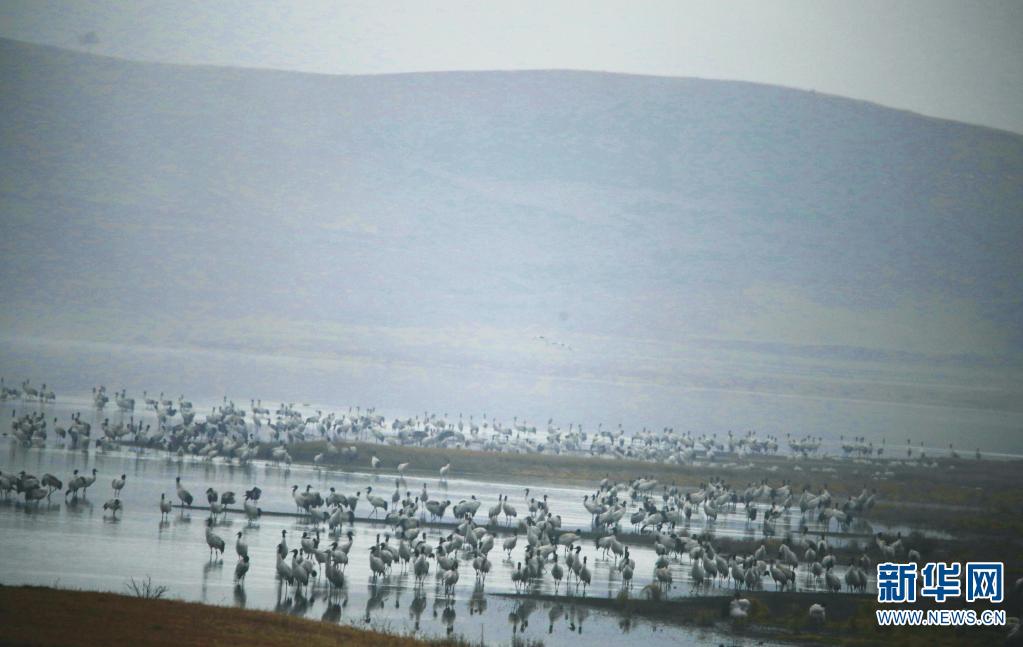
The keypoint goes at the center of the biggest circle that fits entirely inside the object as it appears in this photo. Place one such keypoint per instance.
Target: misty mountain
(182, 204)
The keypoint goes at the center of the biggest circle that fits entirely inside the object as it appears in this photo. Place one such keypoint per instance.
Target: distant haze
(945, 58)
(592, 246)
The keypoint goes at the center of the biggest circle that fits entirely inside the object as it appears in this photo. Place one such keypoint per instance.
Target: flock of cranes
(34, 489)
(548, 550)
(424, 535)
(664, 514)
(427, 534)
(231, 432)
(26, 392)
(234, 434)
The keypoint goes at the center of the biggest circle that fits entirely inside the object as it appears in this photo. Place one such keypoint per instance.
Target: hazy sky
(956, 59)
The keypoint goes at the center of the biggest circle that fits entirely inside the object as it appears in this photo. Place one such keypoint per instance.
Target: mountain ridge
(628, 205)
(272, 70)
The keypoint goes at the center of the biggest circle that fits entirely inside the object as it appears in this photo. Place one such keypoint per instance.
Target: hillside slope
(469, 213)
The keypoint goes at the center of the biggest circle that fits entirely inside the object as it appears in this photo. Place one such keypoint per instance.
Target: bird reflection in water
(478, 600)
(79, 506)
(334, 609)
(557, 611)
(577, 614)
(448, 617)
(377, 593)
(283, 605)
(301, 604)
(625, 623)
(519, 617)
(415, 610)
(399, 587)
(438, 602)
(207, 569)
(240, 596)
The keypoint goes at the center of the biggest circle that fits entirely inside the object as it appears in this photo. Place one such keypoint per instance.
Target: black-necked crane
(437, 508)
(165, 506)
(35, 495)
(376, 501)
(299, 572)
(346, 546)
(451, 579)
(338, 556)
(584, 575)
(117, 485)
(509, 544)
(183, 495)
(481, 565)
(627, 572)
(334, 576)
(252, 512)
(241, 568)
(213, 540)
(420, 567)
(566, 539)
(557, 572)
(663, 576)
(284, 570)
(509, 511)
(217, 508)
(52, 483)
(697, 573)
(831, 581)
(376, 564)
(74, 484)
(87, 481)
(519, 577)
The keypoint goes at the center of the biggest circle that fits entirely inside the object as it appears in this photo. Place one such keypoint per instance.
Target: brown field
(43, 616)
(975, 479)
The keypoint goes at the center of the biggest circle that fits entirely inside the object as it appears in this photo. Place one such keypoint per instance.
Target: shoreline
(783, 616)
(43, 616)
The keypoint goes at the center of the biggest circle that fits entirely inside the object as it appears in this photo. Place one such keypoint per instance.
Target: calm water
(74, 544)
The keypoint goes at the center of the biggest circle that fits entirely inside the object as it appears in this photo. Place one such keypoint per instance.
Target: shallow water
(75, 544)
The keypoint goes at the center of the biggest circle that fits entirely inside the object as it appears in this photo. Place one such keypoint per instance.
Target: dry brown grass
(42, 616)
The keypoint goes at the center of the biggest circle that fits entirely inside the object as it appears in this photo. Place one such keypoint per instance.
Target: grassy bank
(965, 481)
(44, 616)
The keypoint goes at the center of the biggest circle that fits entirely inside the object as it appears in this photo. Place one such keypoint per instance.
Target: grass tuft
(145, 589)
